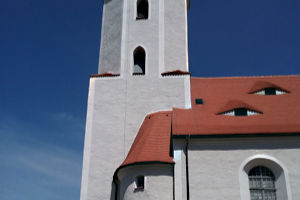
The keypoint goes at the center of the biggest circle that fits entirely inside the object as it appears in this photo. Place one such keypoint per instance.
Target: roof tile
(153, 140)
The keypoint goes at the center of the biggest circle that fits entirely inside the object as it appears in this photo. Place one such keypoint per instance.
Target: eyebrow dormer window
(270, 91)
(240, 112)
(142, 9)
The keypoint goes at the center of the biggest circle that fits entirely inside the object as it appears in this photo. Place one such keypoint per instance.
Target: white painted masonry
(163, 35)
(111, 37)
(180, 182)
(158, 182)
(215, 165)
(111, 129)
(117, 105)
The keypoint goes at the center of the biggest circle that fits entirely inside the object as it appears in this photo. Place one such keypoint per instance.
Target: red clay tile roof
(258, 85)
(104, 75)
(232, 104)
(176, 72)
(152, 144)
(280, 113)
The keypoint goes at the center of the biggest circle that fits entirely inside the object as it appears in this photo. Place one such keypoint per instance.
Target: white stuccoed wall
(158, 182)
(111, 37)
(180, 182)
(163, 35)
(175, 35)
(117, 105)
(215, 165)
(113, 120)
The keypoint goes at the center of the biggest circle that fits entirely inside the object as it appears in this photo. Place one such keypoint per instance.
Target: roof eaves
(236, 135)
(140, 164)
(104, 75)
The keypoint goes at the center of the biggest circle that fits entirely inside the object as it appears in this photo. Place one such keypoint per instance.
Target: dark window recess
(139, 57)
(199, 101)
(140, 182)
(262, 184)
(240, 112)
(142, 9)
(270, 91)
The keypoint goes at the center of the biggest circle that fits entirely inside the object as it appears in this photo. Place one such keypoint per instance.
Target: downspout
(187, 139)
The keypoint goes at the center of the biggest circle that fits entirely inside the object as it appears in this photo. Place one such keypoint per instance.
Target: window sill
(139, 189)
(141, 18)
(138, 74)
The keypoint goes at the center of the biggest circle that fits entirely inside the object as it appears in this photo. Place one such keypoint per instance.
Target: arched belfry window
(139, 57)
(262, 183)
(142, 9)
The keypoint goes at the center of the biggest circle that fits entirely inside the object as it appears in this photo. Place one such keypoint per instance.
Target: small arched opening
(263, 177)
(139, 57)
(142, 9)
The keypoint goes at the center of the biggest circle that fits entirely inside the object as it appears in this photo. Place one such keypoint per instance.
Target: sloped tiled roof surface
(280, 113)
(153, 141)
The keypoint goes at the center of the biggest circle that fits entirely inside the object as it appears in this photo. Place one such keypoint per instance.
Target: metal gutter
(243, 135)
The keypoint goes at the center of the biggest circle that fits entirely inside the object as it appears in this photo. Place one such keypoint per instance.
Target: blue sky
(48, 49)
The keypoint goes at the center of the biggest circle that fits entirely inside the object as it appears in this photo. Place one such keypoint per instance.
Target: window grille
(262, 184)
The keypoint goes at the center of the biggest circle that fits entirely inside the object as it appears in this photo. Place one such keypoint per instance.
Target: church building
(153, 132)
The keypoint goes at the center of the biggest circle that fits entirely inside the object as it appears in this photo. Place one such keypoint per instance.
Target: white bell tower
(158, 26)
(143, 68)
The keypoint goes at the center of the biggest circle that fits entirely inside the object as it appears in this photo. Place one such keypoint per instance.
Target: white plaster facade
(110, 130)
(117, 105)
(163, 35)
(158, 182)
(218, 167)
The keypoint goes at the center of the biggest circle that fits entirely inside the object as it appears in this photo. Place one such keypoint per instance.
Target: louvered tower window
(262, 184)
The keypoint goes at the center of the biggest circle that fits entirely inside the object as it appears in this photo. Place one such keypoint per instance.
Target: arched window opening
(142, 9)
(262, 183)
(139, 57)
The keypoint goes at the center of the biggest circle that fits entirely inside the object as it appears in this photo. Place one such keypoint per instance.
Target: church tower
(143, 68)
